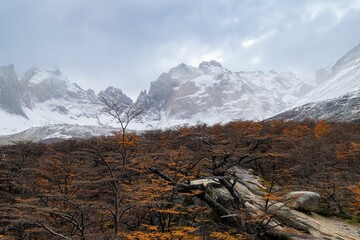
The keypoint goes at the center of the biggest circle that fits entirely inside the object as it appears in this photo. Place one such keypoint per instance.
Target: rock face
(42, 97)
(116, 95)
(285, 222)
(303, 200)
(10, 91)
(211, 93)
(185, 94)
(344, 108)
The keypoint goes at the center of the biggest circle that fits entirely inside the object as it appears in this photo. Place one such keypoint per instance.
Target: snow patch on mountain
(211, 93)
(55, 132)
(208, 93)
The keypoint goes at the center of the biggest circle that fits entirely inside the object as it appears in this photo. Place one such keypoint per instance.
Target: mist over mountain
(337, 97)
(208, 93)
(41, 97)
(211, 93)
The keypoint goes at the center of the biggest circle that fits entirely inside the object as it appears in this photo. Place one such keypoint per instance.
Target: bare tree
(122, 113)
(126, 145)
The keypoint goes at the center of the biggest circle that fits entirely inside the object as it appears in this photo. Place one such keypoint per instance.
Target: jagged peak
(181, 67)
(8, 70)
(7, 67)
(112, 89)
(211, 63)
(212, 67)
(183, 72)
(115, 94)
(38, 75)
(143, 93)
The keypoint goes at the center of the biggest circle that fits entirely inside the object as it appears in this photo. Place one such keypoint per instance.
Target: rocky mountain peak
(115, 95)
(211, 67)
(349, 59)
(211, 93)
(9, 67)
(10, 91)
(211, 63)
(37, 76)
(183, 72)
(8, 72)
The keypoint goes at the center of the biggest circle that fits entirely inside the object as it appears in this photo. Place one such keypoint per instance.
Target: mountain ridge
(337, 97)
(208, 93)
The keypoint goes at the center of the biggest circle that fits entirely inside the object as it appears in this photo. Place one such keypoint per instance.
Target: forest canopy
(137, 185)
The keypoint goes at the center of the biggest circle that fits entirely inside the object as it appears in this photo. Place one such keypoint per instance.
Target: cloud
(256, 60)
(127, 44)
(251, 41)
(333, 11)
(190, 52)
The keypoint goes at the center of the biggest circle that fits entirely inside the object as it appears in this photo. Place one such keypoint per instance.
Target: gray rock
(303, 200)
(10, 92)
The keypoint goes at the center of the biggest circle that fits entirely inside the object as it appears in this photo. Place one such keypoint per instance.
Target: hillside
(222, 182)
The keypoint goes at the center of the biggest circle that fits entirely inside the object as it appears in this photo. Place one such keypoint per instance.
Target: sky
(129, 43)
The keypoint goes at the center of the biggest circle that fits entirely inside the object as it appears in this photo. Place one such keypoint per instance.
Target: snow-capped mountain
(56, 132)
(338, 95)
(211, 93)
(42, 97)
(344, 108)
(208, 93)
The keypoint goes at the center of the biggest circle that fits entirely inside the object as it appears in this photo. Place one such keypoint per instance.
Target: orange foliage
(297, 131)
(227, 236)
(346, 151)
(151, 232)
(321, 129)
(355, 189)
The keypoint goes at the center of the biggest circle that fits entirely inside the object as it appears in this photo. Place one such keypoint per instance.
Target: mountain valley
(209, 94)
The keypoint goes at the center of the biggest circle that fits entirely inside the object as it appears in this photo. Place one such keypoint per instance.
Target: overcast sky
(128, 44)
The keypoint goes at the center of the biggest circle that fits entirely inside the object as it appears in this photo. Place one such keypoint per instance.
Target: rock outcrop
(10, 91)
(277, 219)
(303, 200)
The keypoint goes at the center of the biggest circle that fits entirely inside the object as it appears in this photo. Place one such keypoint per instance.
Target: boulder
(303, 200)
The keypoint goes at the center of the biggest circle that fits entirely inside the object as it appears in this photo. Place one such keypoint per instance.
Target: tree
(116, 166)
(122, 113)
(355, 205)
(321, 128)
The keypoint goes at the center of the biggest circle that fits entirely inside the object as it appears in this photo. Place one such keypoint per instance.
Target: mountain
(337, 96)
(211, 93)
(56, 132)
(344, 108)
(10, 91)
(208, 93)
(41, 97)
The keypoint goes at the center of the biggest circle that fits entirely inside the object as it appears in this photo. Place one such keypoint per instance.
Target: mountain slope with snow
(344, 108)
(55, 132)
(45, 97)
(342, 78)
(185, 94)
(211, 93)
(337, 97)
(208, 93)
